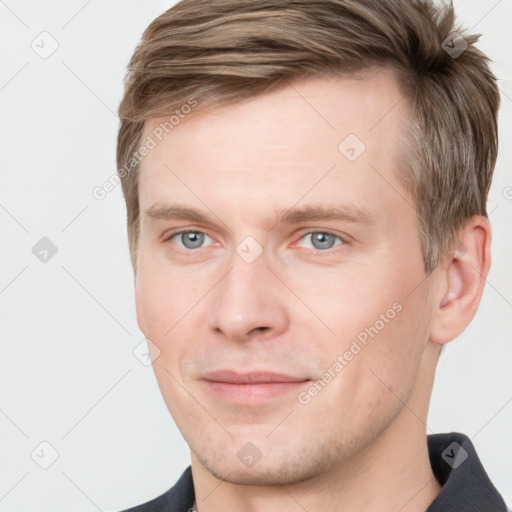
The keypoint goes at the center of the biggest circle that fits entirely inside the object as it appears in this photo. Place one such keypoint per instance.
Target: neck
(392, 472)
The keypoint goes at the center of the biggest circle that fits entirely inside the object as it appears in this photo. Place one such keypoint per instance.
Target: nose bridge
(248, 298)
(248, 271)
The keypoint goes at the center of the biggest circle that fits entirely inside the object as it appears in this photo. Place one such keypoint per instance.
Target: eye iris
(193, 238)
(321, 239)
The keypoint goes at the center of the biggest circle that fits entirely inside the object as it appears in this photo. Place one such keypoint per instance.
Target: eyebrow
(325, 213)
(293, 215)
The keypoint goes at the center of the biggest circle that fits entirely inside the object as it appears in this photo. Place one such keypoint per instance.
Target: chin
(278, 466)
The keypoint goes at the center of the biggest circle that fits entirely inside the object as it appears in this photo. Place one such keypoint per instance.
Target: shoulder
(179, 498)
(466, 485)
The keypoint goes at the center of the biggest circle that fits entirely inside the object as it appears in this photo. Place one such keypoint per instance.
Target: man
(306, 190)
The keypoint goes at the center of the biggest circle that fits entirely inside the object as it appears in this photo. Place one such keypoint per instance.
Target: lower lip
(253, 393)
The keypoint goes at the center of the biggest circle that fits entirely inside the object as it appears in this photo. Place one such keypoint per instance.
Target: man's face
(252, 289)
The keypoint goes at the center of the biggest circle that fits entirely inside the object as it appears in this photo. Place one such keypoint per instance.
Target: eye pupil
(192, 239)
(325, 240)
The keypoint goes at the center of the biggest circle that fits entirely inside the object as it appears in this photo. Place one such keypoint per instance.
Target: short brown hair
(226, 51)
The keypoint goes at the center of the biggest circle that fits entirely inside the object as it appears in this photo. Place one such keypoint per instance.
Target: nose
(249, 302)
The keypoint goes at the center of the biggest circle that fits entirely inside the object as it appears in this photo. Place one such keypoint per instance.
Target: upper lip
(250, 378)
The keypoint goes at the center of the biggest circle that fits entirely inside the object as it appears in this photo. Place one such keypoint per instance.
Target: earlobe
(462, 278)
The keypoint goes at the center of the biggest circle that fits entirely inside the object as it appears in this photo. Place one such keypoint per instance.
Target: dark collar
(466, 486)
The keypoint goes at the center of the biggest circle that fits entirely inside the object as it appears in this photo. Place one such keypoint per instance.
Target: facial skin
(359, 443)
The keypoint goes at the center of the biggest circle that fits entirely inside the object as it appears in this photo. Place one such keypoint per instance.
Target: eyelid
(179, 231)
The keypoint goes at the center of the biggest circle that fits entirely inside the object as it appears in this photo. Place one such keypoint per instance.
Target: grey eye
(191, 239)
(322, 240)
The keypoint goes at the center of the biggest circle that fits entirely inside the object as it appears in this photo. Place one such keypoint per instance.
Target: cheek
(161, 300)
(165, 306)
(395, 355)
(381, 332)
(352, 304)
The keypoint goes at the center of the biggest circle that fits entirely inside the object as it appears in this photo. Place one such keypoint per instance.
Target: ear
(462, 277)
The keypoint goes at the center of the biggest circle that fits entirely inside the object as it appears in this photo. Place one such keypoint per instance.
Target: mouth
(252, 388)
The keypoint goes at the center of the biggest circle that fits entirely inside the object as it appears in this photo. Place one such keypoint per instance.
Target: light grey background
(68, 375)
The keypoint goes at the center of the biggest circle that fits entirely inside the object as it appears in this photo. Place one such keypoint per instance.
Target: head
(331, 161)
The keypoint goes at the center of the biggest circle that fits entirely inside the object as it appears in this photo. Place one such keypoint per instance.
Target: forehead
(371, 93)
(279, 144)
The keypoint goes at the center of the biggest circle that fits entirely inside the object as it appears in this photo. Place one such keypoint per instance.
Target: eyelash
(314, 251)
